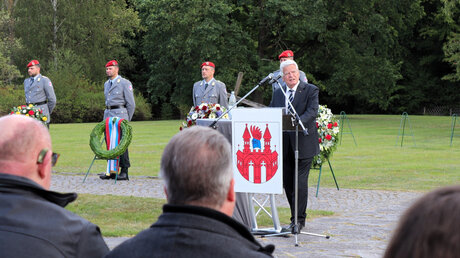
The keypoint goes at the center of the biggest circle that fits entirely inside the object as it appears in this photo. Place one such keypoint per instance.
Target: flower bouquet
(31, 111)
(328, 130)
(203, 111)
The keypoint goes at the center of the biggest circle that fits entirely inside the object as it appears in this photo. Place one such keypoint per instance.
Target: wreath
(96, 144)
(30, 111)
(328, 131)
(203, 111)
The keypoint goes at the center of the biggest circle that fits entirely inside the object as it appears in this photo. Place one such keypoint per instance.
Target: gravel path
(361, 227)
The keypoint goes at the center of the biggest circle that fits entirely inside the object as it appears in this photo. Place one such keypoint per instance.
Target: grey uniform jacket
(119, 94)
(275, 85)
(33, 223)
(216, 92)
(39, 91)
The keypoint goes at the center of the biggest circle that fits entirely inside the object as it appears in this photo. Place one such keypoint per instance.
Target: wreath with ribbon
(96, 144)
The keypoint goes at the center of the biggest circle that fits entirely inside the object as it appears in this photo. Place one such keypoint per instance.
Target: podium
(256, 139)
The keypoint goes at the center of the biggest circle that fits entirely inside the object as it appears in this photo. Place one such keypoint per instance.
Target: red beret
(111, 63)
(208, 64)
(286, 53)
(33, 62)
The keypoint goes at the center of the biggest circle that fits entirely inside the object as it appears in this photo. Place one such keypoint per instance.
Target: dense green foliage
(367, 56)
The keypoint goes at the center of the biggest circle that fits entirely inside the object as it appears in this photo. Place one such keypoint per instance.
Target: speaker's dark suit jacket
(306, 104)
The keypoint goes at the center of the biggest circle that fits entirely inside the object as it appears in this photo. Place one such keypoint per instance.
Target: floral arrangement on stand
(328, 130)
(31, 111)
(203, 111)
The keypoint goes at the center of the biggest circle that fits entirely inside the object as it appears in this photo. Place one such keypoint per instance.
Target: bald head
(21, 140)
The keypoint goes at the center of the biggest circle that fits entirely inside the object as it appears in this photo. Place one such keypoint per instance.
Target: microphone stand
(296, 121)
(213, 124)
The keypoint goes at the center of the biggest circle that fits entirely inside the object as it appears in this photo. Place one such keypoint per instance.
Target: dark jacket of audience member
(192, 231)
(34, 224)
(430, 228)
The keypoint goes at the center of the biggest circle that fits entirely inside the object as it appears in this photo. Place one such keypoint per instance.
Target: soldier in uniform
(209, 90)
(39, 90)
(119, 102)
(286, 55)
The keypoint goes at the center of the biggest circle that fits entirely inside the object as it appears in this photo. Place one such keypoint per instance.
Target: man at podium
(304, 98)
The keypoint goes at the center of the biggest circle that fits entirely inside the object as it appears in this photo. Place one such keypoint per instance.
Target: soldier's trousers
(124, 160)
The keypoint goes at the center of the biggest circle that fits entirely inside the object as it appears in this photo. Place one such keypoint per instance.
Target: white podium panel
(257, 150)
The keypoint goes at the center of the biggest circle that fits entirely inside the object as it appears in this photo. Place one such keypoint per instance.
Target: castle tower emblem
(258, 163)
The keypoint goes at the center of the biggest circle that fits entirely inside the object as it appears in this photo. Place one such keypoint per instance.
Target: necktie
(205, 86)
(291, 98)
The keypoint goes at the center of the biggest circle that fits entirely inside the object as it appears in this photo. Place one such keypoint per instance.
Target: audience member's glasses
(42, 154)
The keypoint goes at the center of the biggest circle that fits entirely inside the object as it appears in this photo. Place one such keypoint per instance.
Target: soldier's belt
(38, 103)
(114, 107)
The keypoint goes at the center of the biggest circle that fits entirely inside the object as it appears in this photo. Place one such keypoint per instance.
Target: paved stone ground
(361, 227)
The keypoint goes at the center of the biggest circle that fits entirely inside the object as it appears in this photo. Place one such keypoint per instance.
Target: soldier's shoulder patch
(130, 87)
(50, 84)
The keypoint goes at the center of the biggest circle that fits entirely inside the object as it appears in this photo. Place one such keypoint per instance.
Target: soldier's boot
(123, 174)
(104, 176)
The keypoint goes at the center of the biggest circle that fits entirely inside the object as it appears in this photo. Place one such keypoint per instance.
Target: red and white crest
(257, 150)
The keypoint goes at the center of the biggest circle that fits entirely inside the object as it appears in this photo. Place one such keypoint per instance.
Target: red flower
(328, 137)
(40, 111)
(31, 112)
(204, 108)
(319, 140)
(189, 122)
(180, 128)
(317, 125)
(329, 126)
(217, 108)
(23, 106)
(12, 112)
(197, 108)
(335, 124)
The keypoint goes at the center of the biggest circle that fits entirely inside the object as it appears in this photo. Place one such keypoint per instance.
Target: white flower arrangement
(328, 131)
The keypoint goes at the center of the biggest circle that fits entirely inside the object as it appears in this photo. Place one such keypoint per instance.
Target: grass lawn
(377, 162)
(127, 216)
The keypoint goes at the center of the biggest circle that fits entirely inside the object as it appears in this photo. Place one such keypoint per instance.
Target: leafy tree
(8, 71)
(95, 31)
(180, 35)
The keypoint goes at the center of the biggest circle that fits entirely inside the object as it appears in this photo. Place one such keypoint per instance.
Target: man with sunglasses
(33, 221)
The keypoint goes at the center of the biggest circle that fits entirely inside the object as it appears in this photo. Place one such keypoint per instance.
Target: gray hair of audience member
(430, 227)
(286, 63)
(197, 167)
(20, 136)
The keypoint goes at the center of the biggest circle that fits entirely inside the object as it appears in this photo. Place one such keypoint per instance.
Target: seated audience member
(430, 228)
(197, 169)
(33, 222)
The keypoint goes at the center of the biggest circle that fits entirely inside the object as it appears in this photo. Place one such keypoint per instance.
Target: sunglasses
(42, 154)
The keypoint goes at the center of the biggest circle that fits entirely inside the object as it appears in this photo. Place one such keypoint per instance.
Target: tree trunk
(55, 30)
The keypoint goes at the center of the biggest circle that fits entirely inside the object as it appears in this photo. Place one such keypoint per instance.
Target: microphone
(268, 78)
(274, 79)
